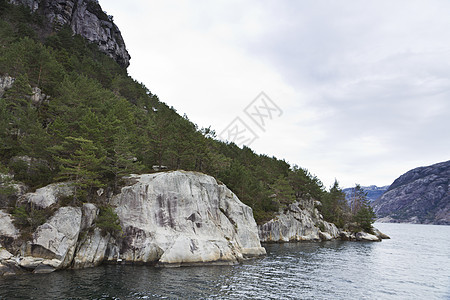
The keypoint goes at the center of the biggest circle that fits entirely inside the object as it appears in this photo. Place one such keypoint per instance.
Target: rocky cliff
(300, 221)
(184, 218)
(87, 19)
(171, 218)
(421, 195)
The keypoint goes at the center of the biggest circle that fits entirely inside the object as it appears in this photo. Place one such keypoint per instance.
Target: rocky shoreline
(168, 219)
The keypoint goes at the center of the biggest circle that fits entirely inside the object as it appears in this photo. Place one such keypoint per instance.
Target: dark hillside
(420, 195)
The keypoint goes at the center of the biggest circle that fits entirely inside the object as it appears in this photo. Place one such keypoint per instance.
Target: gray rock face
(90, 212)
(48, 195)
(8, 232)
(91, 250)
(6, 82)
(37, 97)
(87, 19)
(57, 238)
(366, 237)
(380, 235)
(173, 218)
(184, 218)
(421, 195)
(300, 222)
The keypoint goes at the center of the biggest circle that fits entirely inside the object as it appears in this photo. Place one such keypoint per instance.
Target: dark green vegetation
(356, 216)
(99, 125)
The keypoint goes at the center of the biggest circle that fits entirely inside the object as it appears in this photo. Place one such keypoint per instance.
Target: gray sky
(364, 86)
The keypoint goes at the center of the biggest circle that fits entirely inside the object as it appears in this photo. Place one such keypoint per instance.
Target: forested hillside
(73, 114)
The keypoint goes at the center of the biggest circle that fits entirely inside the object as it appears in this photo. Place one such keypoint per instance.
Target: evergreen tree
(362, 212)
(80, 163)
(17, 111)
(358, 198)
(334, 206)
(121, 161)
(284, 193)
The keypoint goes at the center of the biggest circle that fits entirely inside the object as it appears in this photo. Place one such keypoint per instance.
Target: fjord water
(414, 264)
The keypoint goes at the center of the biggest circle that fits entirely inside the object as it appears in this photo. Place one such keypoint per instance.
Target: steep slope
(87, 19)
(73, 96)
(421, 195)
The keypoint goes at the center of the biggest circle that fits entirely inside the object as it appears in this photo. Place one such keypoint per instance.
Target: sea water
(413, 264)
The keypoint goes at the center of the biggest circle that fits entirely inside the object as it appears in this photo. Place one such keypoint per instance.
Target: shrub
(321, 226)
(108, 221)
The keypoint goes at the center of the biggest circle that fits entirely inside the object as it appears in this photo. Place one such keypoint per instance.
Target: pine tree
(17, 111)
(121, 161)
(80, 163)
(363, 213)
(334, 206)
(284, 193)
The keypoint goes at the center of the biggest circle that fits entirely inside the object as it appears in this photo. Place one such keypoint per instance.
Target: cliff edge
(87, 19)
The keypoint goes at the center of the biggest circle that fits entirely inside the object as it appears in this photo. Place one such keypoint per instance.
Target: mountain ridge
(373, 192)
(421, 195)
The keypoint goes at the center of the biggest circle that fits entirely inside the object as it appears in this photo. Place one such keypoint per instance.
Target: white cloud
(364, 85)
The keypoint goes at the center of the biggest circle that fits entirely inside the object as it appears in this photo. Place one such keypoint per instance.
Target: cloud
(364, 85)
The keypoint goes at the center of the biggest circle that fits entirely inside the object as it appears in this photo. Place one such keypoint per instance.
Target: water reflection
(412, 265)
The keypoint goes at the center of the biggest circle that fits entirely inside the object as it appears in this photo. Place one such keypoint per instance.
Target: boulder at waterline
(184, 218)
(299, 222)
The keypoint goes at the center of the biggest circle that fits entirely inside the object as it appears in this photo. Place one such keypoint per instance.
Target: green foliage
(20, 215)
(6, 181)
(362, 212)
(29, 219)
(95, 8)
(334, 206)
(108, 221)
(365, 218)
(80, 163)
(101, 125)
(34, 59)
(284, 193)
(321, 226)
(34, 174)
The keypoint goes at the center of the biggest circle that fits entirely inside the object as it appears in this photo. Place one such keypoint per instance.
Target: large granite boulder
(91, 250)
(48, 195)
(57, 238)
(366, 237)
(8, 232)
(184, 218)
(380, 235)
(299, 222)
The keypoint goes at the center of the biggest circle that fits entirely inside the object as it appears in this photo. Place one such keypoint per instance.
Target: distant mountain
(373, 192)
(421, 195)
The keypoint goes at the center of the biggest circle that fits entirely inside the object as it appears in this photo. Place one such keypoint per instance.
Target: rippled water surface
(414, 264)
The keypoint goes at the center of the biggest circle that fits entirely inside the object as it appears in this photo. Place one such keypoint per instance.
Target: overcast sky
(363, 87)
